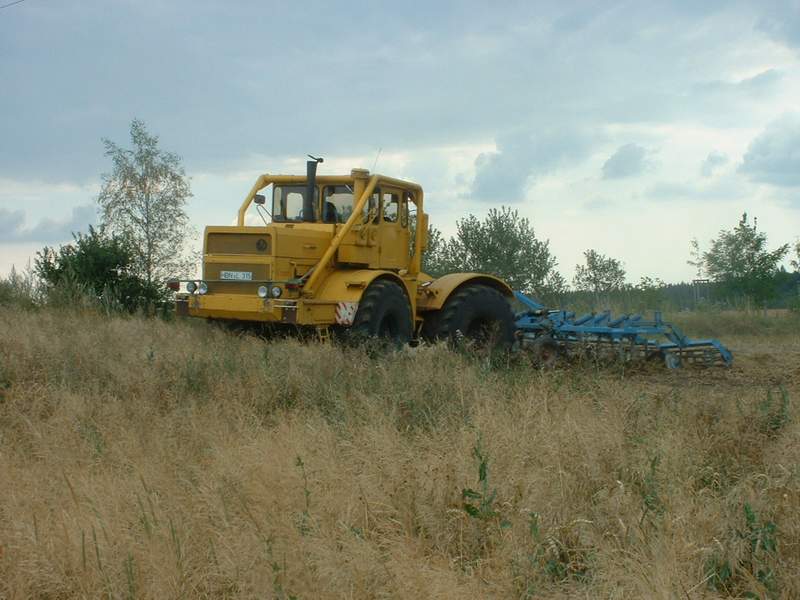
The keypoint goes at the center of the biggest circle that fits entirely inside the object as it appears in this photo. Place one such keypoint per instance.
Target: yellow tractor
(341, 253)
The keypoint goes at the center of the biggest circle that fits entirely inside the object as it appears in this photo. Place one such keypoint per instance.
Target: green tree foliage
(144, 199)
(19, 289)
(649, 293)
(503, 244)
(696, 258)
(796, 259)
(739, 261)
(600, 275)
(100, 266)
(433, 261)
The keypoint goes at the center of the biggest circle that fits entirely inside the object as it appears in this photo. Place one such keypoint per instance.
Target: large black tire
(383, 313)
(476, 313)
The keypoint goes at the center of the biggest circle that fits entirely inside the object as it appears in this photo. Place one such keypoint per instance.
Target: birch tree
(143, 198)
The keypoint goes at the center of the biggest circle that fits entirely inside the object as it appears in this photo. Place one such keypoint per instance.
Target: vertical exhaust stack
(311, 184)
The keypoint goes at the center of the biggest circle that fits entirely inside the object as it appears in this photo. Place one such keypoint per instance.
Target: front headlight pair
(264, 291)
(199, 287)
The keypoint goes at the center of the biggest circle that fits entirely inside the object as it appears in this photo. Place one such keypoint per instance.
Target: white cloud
(773, 157)
(783, 25)
(11, 221)
(628, 161)
(502, 176)
(713, 162)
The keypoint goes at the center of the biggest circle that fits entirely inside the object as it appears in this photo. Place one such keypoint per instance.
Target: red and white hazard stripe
(346, 312)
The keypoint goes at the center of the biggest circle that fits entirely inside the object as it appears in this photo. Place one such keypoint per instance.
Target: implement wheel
(476, 313)
(383, 313)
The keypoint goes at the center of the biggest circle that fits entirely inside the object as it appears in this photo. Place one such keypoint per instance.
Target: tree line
(144, 231)
(738, 269)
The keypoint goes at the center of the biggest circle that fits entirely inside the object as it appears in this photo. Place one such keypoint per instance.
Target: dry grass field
(147, 459)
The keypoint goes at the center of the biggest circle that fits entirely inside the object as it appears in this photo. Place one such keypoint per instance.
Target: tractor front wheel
(383, 313)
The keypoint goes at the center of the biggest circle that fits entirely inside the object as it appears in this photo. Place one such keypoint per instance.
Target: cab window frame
(280, 216)
(395, 198)
(323, 201)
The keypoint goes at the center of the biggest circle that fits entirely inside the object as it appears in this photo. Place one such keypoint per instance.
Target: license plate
(236, 275)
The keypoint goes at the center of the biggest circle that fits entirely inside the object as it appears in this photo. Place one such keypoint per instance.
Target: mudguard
(348, 286)
(432, 295)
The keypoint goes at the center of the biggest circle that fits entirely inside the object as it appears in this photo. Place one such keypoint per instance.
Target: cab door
(361, 246)
(393, 234)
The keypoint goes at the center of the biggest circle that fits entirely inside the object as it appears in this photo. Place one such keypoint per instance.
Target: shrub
(95, 267)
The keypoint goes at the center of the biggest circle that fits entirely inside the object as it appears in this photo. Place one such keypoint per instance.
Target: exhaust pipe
(311, 184)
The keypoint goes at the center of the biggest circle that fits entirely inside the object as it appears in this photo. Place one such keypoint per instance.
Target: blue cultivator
(549, 332)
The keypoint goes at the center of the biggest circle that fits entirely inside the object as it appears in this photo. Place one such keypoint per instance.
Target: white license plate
(236, 275)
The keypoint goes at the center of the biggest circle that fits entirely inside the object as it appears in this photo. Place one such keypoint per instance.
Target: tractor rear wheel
(383, 313)
(476, 313)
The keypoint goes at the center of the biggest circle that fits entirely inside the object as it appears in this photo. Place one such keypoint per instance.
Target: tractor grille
(239, 243)
(213, 271)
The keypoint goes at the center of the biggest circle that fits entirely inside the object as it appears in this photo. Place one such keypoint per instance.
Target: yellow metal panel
(317, 314)
(253, 308)
(433, 296)
(256, 242)
(348, 286)
(302, 242)
(233, 306)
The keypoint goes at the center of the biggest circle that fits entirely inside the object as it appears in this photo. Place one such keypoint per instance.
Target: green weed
(479, 504)
(734, 576)
(773, 414)
(5, 382)
(195, 374)
(550, 558)
(92, 436)
(648, 488)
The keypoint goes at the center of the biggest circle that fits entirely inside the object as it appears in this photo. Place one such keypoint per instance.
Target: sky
(625, 127)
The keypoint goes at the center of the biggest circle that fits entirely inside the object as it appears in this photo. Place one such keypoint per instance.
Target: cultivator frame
(627, 336)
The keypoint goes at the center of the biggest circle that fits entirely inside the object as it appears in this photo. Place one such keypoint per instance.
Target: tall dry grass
(147, 459)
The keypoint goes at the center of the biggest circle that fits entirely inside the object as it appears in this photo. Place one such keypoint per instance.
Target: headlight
(202, 288)
(262, 291)
(191, 287)
(276, 292)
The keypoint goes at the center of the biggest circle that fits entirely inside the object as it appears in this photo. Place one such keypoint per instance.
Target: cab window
(391, 207)
(337, 203)
(287, 202)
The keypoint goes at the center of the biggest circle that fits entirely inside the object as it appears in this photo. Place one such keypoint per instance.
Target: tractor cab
(378, 239)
